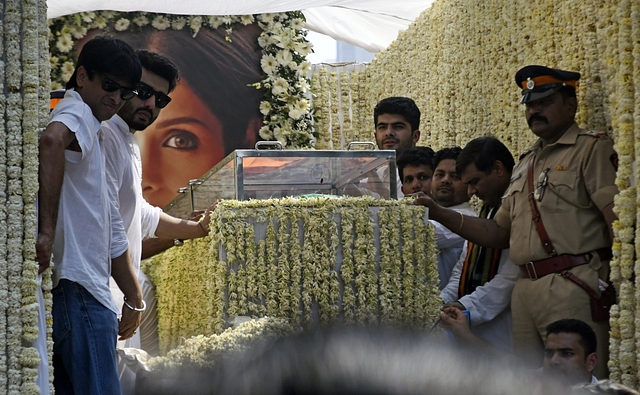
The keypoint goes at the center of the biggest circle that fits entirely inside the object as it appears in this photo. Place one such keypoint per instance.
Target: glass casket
(270, 173)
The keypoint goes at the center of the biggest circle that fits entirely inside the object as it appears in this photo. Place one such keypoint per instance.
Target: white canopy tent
(370, 24)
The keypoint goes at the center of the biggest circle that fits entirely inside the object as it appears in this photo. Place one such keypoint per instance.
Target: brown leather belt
(555, 264)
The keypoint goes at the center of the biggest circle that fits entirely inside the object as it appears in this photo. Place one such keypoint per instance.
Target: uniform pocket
(561, 192)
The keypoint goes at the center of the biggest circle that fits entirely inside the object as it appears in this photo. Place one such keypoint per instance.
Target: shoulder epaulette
(525, 153)
(593, 133)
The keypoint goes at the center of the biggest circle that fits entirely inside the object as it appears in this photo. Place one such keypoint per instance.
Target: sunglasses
(543, 180)
(144, 92)
(109, 85)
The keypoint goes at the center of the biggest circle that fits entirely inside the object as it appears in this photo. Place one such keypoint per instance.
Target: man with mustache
(124, 172)
(449, 191)
(556, 216)
(397, 123)
(483, 278)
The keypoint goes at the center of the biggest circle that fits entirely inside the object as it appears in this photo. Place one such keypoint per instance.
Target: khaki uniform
(580, 185)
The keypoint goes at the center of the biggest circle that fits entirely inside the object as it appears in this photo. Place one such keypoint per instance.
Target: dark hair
(483, 152)
(159, 65)
(108, 55)
(587, 336)
(415, 157)
(399, 105)
(446, 153)
(218, 71)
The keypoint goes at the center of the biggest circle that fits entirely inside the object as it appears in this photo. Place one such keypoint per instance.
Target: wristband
(144, 306)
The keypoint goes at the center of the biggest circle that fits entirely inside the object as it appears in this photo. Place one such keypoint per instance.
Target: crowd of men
(539, 250)
(526, 276)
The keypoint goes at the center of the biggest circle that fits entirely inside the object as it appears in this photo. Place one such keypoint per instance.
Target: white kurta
(449, 244)
(489, 305)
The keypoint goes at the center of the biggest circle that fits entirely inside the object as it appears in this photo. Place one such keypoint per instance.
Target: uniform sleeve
(489, 300)
(600, 172)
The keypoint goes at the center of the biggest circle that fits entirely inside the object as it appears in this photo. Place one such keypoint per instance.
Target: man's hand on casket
(204, 218)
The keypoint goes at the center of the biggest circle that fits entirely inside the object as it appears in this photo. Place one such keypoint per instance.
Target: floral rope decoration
(294, 272)
(287, 113)
(205, 351)
(4, 280)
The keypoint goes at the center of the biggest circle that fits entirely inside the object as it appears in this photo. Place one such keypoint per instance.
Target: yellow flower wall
(458, 61)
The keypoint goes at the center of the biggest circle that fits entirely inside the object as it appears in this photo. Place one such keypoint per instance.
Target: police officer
(556, 216)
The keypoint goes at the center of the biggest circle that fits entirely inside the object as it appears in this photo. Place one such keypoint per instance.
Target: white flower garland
(287, 114)
(205, 351)
(291, 273)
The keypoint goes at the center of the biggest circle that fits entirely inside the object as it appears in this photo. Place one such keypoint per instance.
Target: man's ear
(416, 136)
(591, 362)
(498, 167)
(81, 76)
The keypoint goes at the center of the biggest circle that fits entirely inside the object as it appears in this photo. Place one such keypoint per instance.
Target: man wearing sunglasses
(124, 178)
(81, 227)
(556, 216)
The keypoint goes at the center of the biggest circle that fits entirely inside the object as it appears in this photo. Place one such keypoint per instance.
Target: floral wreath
(287, 114)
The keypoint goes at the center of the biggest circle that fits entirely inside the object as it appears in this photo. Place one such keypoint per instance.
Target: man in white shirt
(483, 278)
(570, 352)
(78, 223)
(397, 123)
(449, 191)
(124, 180)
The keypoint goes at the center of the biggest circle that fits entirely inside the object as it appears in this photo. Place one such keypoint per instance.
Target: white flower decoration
(122, 24)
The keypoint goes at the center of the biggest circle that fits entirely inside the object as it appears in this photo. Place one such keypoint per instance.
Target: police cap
(538, 82)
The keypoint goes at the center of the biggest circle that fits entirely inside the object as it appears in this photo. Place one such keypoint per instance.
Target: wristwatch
(178, 242)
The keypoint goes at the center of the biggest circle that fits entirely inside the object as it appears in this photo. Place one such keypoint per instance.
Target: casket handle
(268, 145)
(369, 144)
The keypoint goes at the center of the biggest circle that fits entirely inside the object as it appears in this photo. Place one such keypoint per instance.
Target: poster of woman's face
(213, 110)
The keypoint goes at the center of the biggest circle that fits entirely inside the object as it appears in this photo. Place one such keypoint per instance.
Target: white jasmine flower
(178, 23)
(122, 24)
(195, 24)
(280, 87)
(215, 21)
(284, 57)
(246, 19)
(141, 20)
(64, 43)
(269, 64)
(53, 61)
(88, 16)
(265, 107)
(266, 18)
(297, 24)
(161, 23)
(100, 22)
(78, 31)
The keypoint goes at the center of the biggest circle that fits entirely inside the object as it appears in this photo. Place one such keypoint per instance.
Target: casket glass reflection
(264, 174)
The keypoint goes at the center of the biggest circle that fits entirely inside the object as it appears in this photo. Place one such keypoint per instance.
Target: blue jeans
(84, 343)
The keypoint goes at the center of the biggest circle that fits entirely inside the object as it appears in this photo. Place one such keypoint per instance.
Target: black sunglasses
(144, 92)
(109, 85)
